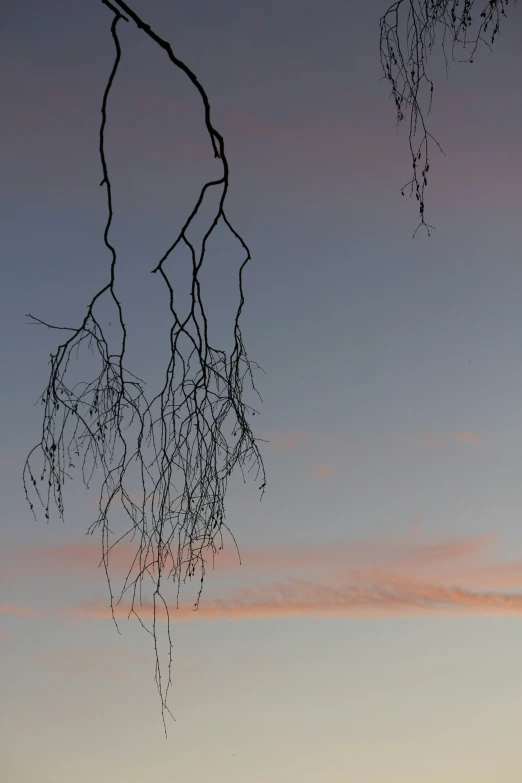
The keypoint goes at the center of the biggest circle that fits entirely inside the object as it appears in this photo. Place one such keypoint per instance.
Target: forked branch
(163, 463)
(409, 31)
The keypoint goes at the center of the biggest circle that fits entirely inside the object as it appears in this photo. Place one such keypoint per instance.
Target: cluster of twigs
(165, 461)
(408, 31)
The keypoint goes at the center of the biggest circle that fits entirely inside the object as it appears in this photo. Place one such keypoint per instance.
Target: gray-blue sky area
(392, 397)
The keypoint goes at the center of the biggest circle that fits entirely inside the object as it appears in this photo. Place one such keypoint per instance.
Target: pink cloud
(430, 442)
(84, 555)
(497, 575)
(464, 437)
(79, 556)
(469, 438)
(377, 578)
(287, 440)
(382, 596)
(411, 551)
(372, 579)
(17, 611)
(322, 471)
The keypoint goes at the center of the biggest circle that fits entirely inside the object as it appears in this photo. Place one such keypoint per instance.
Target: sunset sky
(373, 632)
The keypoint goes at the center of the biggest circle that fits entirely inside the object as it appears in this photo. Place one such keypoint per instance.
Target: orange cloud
(373, 579)
(468, 437)
(380, 577)
(497, 575)
(287, 440)
(383, 596)
(464, 437)
(82, 555)
(322, 471)
(17, 611)
(381, 552)
(430, 442)
(85, 555)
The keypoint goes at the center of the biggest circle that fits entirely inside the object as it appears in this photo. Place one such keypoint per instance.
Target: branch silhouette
(408, 32)
(179, 448)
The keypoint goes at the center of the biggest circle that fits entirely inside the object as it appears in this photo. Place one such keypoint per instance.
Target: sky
(373, 630)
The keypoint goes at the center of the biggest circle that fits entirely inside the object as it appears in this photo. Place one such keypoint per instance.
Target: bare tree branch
(165, 461)
(409, 31)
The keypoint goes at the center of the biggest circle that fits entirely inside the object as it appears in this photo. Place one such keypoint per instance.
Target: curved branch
(408, 31)
(165, 461)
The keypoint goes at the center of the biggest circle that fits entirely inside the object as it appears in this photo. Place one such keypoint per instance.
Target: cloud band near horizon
(387, 596)
(375, 578)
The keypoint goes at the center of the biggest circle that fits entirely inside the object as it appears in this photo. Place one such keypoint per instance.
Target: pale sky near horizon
(373, 632)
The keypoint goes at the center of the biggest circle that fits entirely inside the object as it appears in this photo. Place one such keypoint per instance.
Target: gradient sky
(373, 633)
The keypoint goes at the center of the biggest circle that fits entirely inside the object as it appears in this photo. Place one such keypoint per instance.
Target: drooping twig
(408, 32)
(165, 461)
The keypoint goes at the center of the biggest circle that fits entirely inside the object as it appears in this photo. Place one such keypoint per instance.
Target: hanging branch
(408, 32)
(183, 444)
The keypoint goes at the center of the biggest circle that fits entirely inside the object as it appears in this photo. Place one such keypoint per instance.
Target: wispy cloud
(469, 438)
(376, 578)
(379, 577)
(17, 611)
(80, 556)
(463, 437)
(283, 441)
(372, 579)
(412, 550)
(378, 595)
(322, 471)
